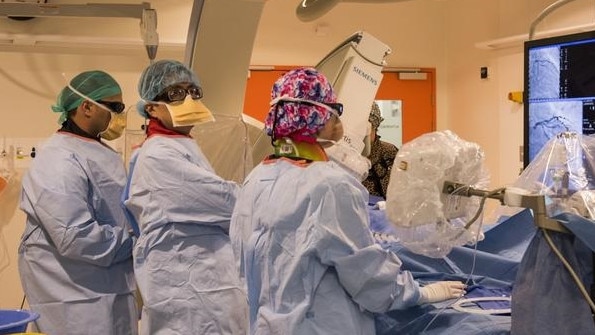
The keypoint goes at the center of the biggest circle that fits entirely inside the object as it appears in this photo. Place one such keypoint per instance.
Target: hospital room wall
(477, 110)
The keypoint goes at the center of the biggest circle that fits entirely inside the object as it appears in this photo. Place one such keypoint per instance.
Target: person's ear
(86, 107)
(150, 110)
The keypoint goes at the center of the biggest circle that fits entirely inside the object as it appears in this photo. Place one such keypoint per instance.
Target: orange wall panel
(417, 96)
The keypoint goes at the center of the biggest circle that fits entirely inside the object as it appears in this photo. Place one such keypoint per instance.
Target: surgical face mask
(189, 112)
(326, 143)
(115, 128)
(350, 160)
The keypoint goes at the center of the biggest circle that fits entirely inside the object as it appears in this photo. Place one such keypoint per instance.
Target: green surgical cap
(159, 76)
(94, 84)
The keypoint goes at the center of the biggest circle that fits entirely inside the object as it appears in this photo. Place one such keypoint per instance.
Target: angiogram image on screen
(560, 85)
(544, 73)
(548, 119)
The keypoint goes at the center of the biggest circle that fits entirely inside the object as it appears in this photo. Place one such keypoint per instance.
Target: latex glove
(440, 291)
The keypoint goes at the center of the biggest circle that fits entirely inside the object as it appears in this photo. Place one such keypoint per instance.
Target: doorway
(409, 95)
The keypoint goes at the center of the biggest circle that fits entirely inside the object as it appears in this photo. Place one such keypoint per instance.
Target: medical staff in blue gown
(183, 259)
(75, 255)
(300, 228)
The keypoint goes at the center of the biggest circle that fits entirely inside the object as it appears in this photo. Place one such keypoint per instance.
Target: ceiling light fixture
(310, 10)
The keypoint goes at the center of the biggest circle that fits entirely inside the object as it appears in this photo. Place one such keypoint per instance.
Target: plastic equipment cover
(427, 221)
(226, 144)
(563, 171)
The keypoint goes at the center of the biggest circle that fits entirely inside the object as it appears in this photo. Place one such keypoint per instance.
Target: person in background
(183, 259)
(382, 156)
(300, 228)
(75, 255)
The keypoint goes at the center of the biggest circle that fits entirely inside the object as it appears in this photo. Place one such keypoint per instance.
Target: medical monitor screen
(559, 89)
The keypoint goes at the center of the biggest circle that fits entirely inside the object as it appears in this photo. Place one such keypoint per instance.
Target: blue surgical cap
(159, 76)
(94, 84)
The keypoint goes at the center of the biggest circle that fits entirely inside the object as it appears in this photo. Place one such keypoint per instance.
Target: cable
(469, 278)
(438, 314)
(481, 204)
(575, 277)
(458, 305)
(23, 302)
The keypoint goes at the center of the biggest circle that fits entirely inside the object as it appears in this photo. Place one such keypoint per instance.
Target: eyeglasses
(178, 94)
(114, 106)
(338, 107)
(335, 106)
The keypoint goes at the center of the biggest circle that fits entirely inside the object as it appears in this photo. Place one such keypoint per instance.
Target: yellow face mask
(189, 112)
(115, 128)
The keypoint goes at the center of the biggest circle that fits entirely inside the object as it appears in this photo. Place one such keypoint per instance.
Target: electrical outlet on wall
(484, 72)
(23, 149)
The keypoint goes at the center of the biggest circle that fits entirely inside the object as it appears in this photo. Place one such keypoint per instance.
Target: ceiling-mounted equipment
(24, 18)
(142, 11)
(309, 10)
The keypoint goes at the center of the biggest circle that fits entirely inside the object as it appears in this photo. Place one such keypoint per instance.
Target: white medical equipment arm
(510, 197)
(354, 68)
(148, 31)
(142, 11)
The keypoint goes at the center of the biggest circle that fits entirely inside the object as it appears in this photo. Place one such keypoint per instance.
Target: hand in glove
(440, 291)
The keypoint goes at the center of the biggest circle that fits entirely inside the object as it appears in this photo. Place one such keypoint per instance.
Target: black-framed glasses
(336, 106)
(173, 94)
(115, 106)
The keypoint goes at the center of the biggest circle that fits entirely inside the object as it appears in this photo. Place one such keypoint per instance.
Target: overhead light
(310, 10)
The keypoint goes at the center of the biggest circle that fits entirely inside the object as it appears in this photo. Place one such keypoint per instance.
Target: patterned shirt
(382, 156)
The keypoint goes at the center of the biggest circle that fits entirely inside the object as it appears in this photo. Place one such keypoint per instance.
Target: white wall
(478, 110)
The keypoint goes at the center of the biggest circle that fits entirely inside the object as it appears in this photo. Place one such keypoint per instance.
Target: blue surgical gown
(75, 255)
(183, 259)
(309, 260)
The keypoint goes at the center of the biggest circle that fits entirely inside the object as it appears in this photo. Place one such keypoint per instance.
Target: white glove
(440, 291)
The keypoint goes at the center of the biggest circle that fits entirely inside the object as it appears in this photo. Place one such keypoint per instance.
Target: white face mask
(325, 142)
